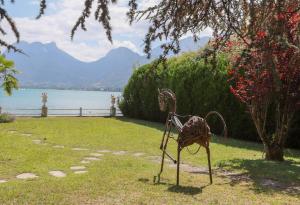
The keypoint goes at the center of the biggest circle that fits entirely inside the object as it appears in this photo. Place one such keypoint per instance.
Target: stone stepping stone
(58, 146)
(58, 174)
(138, 154)
(2, 181)
(26, 176)
(96, 154)
(12, 131)
(92, 158)
(119, 153)
(76, 168)
(37, 141)
(79, 149)
(80, 172)
(103, 151)
(26, 135)
(85, 161)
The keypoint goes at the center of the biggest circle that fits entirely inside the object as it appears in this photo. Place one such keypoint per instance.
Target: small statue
(113, 100)
(44, 99)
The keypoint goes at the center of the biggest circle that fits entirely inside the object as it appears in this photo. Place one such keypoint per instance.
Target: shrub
(199, 86)
(6, 118)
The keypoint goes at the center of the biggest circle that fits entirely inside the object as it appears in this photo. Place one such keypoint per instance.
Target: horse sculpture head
(167, 99)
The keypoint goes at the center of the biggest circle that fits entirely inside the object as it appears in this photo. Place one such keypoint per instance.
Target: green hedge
(199, 87)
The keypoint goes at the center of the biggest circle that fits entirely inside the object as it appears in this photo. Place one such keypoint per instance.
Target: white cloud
(87, 46)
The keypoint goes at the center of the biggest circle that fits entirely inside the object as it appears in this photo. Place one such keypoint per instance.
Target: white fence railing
(81, 112)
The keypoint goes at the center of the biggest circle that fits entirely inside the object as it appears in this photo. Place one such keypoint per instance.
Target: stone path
(26, 176)
(98, 154)
(26, 134)
(58, 174)
(80, 172)
(103, 151)
(79, 169)
(76, 168)
(85, 161)
(92, 159)
(37, 141)
(79, 149)
(94, 156)
(138, 154)
(119, 153)
(58, 146)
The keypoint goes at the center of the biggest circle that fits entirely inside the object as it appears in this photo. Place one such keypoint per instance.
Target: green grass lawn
(127, 179)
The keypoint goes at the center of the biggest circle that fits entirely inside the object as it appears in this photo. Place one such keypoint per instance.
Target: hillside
(47, 66)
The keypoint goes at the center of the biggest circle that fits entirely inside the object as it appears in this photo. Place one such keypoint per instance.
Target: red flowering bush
(266, 74)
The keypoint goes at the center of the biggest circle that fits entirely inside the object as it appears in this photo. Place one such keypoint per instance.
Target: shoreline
(72, 89)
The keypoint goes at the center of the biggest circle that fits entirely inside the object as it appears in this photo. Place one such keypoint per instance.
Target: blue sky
(61, 15)
(22, 8)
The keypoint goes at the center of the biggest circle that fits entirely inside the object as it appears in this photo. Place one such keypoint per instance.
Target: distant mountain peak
(47, 66)
(120, 50)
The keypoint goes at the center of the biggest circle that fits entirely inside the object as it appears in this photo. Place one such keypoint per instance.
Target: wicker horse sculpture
(195, 130)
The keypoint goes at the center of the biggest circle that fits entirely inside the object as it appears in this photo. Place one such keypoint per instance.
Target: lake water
(57, 99)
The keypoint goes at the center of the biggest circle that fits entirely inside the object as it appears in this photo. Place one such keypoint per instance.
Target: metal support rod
(170, 157)
(178, 163)
(209, 164)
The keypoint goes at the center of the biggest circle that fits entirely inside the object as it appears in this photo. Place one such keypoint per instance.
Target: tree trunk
(274, 152)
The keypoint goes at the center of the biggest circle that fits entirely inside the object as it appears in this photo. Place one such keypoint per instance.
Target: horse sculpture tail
(221, 118)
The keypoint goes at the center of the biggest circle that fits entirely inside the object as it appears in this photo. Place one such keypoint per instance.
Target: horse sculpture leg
(209, 165)
(178, 163)
(164, 148)
(167, 125)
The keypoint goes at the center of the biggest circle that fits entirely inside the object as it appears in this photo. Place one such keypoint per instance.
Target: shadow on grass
(187, 190)
(218, 140)
(267, 176)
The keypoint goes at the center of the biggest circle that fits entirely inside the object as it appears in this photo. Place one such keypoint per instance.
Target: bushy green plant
(6, 118)
(7, 75)
(199, 86)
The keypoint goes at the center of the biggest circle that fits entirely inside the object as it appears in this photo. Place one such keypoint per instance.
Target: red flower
(261, 34)
(229, 44)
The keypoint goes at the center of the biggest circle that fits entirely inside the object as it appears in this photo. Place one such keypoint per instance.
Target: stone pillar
(113, 111)
(44, 112)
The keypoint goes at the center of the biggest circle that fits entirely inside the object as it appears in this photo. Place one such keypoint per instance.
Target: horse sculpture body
(195, 130)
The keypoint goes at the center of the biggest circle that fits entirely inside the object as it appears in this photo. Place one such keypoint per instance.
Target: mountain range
(47, 66)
